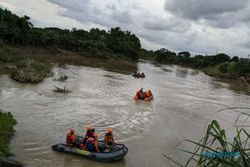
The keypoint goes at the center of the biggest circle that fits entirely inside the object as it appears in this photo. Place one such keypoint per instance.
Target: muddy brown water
(184, 100)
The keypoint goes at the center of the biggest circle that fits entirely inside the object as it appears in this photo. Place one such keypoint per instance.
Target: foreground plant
(216, 149)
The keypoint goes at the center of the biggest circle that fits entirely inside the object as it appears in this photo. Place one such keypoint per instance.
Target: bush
(4, 55)
(31, 71)
(223, 67)
(7, 122)
(230, 69)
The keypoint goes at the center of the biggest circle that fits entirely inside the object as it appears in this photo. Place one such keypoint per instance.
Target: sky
(198, 26)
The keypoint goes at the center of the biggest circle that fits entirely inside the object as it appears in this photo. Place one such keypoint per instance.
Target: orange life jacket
(91, 144)
(70, 138)
(108, 137)
(140, 95)
(147, 94)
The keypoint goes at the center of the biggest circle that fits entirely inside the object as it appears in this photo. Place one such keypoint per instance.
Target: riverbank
(14, 55)
(7, 123)
(230, 70)
(219, 65)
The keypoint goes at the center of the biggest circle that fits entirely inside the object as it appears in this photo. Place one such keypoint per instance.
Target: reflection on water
(183, 103)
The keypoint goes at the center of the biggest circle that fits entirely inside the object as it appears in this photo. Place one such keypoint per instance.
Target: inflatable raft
(139, 75)
(115, 153)
(147, 96)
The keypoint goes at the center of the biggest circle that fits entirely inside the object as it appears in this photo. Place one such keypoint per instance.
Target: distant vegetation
(96, 43)
(6, 131)
(114, 43)
(216, 65)
(32, 71)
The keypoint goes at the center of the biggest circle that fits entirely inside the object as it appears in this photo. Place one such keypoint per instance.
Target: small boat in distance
(138, 75)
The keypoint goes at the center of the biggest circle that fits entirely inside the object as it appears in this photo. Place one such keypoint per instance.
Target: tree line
(115, 42)
(217, 65)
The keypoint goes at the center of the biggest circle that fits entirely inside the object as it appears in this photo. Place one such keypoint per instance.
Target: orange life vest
(108, 137)
(140, 95)
(91, 144)
(70, 138)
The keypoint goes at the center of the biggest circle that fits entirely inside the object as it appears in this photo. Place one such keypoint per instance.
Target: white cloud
(199, 26)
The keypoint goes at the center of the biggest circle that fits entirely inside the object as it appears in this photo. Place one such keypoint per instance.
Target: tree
(235, 58)
(184, 54)
(165, 56)
(19, 30)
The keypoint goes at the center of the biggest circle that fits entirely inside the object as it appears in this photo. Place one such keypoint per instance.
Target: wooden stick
(245, 82)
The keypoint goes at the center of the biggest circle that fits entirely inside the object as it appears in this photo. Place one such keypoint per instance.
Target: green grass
(230, 70)
(4, 55)
(6, 131)
(215, 71)
(31, 71)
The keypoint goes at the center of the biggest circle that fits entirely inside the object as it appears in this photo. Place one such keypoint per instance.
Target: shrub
(32, 71)
(4, 55)
(7, 122)
(223, 67)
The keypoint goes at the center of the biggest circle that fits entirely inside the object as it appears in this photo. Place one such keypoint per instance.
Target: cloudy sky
(198, 26)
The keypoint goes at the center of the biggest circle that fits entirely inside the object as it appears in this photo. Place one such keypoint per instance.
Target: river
(184, 100)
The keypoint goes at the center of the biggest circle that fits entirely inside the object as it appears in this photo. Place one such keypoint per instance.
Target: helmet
(110, 130)
(72, 130)
(89, 128)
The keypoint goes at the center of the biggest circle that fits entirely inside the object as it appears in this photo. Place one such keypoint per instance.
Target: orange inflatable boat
(146, 96)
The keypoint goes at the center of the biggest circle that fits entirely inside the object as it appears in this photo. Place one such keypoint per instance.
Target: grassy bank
(96, 43)
(230, 70)
(22, 69)
(219, 65)
(61, 57)
(6, 131)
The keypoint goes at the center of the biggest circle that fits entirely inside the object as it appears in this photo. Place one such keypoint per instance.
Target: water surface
(184, 100)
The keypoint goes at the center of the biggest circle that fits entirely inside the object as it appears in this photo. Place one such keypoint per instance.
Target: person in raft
(70, 139)
(148, 94)
(92, 143)
(109, 139)
(140, 94)
(90, 131)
